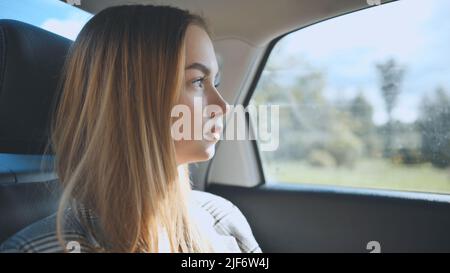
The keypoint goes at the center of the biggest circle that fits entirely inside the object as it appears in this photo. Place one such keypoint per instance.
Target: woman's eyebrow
(199, 66)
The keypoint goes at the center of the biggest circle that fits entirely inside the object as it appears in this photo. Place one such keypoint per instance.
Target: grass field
(371, 173)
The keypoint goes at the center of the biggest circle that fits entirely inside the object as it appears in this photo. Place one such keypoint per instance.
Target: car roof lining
(255, 22)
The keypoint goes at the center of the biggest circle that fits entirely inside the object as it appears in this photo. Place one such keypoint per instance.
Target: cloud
(68, 28)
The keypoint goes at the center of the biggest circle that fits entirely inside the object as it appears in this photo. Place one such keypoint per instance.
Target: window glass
(364, 100)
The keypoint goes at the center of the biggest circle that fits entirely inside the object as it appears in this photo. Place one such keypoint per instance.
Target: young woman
(125, 182)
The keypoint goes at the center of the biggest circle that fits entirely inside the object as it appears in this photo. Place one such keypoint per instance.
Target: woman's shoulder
(227, 220)
(41, 237)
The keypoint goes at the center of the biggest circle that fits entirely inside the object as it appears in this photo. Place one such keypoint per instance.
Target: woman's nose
(220, 102)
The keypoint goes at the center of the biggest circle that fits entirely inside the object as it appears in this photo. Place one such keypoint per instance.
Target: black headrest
(31, 60)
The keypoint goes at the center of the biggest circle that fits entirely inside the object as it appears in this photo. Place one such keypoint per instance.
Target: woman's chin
(200, 151)
(207, 151)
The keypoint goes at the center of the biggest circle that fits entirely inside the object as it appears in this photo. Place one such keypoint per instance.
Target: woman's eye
(198, 83)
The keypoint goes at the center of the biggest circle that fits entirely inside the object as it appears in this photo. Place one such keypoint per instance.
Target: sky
(414, 32)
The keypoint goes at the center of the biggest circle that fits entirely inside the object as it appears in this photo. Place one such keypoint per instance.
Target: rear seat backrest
(31, 60)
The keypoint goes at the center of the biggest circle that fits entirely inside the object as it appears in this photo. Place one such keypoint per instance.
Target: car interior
(283, 217)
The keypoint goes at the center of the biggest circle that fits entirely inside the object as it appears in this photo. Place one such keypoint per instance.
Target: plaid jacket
(227, 228)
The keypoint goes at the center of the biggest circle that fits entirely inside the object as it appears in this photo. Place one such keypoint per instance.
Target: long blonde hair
(111, 134)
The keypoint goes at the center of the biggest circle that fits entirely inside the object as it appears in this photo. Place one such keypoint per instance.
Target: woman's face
(200, 93)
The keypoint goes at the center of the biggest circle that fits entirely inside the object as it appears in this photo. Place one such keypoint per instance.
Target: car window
(52, 15)
(364, 100)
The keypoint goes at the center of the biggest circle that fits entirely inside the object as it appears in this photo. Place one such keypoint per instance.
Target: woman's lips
(215, 132)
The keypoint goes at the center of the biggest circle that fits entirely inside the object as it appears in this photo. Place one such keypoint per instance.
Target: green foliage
(344, 145)
(328, 134)
(435, 128)
(321, 158)
(391, 76)
(408, 156)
